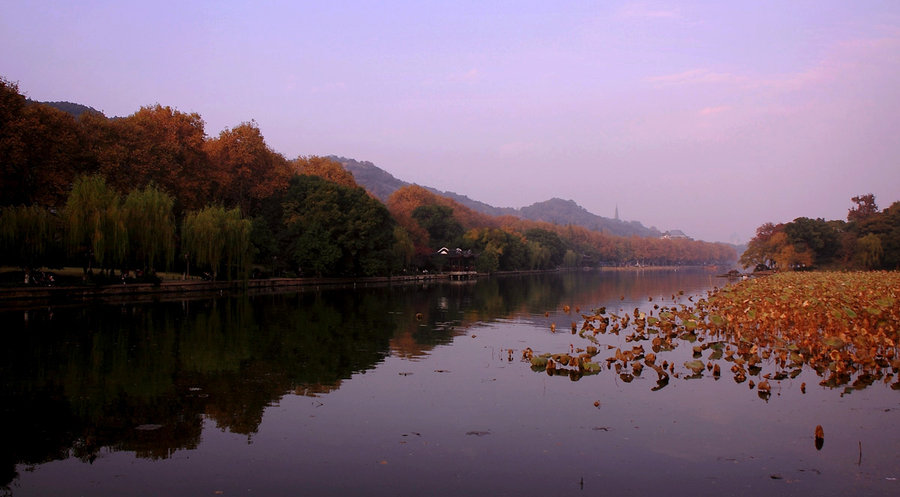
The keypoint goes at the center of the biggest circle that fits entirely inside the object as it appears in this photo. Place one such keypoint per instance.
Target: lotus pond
(608, 382)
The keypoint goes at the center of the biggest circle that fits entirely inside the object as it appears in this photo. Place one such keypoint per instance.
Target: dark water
(407, 390)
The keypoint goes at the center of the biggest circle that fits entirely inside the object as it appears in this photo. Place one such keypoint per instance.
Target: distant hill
(559, 211)
(374, 179)
(69, 107)
(382, 184)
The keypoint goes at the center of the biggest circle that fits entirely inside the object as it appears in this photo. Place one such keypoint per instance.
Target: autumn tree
(405, 200)
(325, 168)
(156, 144)
(401, 205)
(865, 208)
(40, 151)
(13, 154)
(244, 169)
(760, 251)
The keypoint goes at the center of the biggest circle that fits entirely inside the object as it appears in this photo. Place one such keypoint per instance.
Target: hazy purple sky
(711, 117)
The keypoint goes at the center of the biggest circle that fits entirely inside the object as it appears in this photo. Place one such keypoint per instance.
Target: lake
(412, 390)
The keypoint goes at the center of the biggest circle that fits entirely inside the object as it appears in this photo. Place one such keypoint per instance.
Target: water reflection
(143, 377)
(147, 378)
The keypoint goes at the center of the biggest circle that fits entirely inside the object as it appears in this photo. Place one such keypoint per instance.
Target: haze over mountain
(555, 210)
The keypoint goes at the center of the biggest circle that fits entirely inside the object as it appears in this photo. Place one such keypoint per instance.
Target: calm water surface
(409, 390)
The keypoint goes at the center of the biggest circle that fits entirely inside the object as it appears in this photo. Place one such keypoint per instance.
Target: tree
(27, 235)
(549, 240)
(510, 249)
(151, 227)
(218, 239)
(244, 169)
(12, 148)
(443, 230)
(570, 259)
(403, 249)
(760, 250)
(156, 145)
(40, 153)
(865, 208)
(94, 221)
(331, 229)
(870, 251)
(815, 235)
(538, 255)
(324, 168)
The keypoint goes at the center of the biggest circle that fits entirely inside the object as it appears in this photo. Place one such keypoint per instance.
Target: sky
(710, 117)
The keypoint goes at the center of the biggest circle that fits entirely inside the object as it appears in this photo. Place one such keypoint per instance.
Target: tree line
(868, 239)
(151, 191)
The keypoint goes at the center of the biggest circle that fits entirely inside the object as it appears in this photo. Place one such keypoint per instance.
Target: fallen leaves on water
(820, 438)
(844, 326)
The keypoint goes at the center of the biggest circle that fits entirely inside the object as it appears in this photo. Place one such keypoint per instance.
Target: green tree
(27, 235)
(218, 239)
(443, 230)
(870, 251)
(151, 227)
(538, 255)
(551, 241)
(570, 259)
(331, 229)
(95, 224)
(404, 250)
(512, 253)
(815, 235)
(488, 260)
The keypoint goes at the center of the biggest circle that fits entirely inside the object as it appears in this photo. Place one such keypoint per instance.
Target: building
(674, 235)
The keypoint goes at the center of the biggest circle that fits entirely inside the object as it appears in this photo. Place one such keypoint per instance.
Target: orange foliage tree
(244, 169)
(155, 145)
(324, 168)
(39, 151)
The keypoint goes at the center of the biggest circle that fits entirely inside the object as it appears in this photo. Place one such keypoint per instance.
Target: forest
(152, 192)
(868, 239)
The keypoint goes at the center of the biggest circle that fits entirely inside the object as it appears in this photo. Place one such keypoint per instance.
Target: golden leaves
(843, 326)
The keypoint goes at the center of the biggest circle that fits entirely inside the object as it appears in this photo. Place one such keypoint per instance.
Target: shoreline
(12, 298)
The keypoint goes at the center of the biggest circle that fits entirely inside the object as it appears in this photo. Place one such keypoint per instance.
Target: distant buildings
(675, 234)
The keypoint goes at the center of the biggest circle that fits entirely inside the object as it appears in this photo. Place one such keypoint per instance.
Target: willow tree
(27, 235)
(218, 239)
(151, 227)
(94, 222)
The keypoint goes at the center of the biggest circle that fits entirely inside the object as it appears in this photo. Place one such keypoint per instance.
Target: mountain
(558, 211)
(69, 107)
(371, 177)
